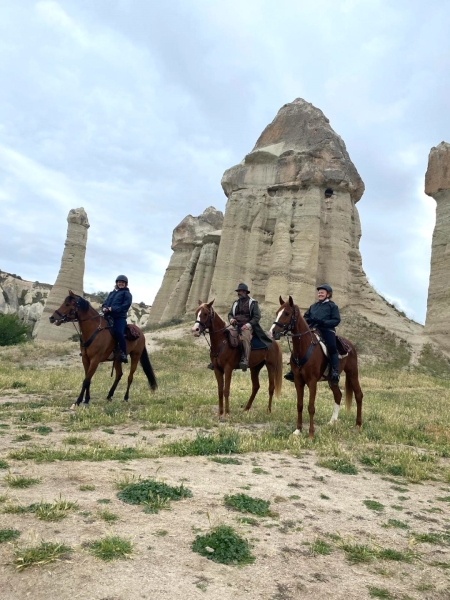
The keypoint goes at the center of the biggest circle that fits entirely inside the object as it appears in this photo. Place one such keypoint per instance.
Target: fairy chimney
(70, 276)
(437, 185)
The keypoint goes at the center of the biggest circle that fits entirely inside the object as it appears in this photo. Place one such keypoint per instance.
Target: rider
(324, 316)
(245, 315)
(116, 305)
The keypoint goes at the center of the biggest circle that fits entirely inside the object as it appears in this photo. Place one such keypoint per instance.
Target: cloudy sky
(133, 109)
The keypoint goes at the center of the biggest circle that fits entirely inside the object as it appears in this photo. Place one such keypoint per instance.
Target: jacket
(255, 316)
(120, 301)
(324, 315)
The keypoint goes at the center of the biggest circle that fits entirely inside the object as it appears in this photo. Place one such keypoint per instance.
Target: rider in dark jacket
(116, 306)
(324, 316)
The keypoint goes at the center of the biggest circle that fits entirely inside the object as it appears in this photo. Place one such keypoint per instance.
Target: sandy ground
(311, 502)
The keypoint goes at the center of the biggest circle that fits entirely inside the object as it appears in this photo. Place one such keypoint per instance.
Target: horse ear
(281, 300)
(200, 302)
(72, 294)
(211, 303)
(291, 302)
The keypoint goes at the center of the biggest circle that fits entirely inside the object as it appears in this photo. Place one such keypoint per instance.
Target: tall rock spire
(437, 185)
(70, 276)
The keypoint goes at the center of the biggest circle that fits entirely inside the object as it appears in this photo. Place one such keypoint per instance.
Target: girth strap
(302, 361)
(93, 336)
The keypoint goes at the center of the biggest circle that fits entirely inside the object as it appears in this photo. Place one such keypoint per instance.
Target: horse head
(204, 317)
(68, 309)
(285, 319)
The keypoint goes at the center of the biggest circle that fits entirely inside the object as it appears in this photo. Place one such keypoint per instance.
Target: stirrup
(123, 357)
(334, 377)
(243, 365)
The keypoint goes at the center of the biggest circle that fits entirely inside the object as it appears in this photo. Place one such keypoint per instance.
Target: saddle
(132, 333)
(234, 341)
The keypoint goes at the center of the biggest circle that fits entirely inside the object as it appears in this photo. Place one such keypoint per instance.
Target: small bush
(341, 465)
(227, 442)
(320, 547)
(247, 504)
(155, 495)
(223, 545)
(374, 505)
(13, 330)
(17, 481)
(226, 460)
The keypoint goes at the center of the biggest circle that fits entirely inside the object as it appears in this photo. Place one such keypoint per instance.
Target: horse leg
(254, 372)
(337, 402)
(226, 389)
(352, 385)
(271, 372)
(300, 388)
(119, 373)
(219, 378)
(134, 362)
(312, 406)
(86, 384)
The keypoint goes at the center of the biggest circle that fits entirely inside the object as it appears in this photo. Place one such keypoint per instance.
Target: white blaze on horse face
(196, 327)
(277, 319)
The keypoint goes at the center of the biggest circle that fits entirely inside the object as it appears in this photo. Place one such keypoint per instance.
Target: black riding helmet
(122, 278)
(325, 287)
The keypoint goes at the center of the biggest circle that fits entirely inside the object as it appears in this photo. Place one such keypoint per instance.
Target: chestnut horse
(308, 363)
(225, 358)
(97, 344)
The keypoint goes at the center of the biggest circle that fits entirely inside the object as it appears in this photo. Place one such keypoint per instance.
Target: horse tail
(148, 369)
(348, 392)
(278, 370)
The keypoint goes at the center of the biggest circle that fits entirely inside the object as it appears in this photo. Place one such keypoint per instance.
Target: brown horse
(225, 358)
(97, 345)
(308, 363)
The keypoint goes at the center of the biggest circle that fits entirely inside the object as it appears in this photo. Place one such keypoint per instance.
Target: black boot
(334, 360)
(289, 376)
(243, 365)
(210, 366)
(123, 357)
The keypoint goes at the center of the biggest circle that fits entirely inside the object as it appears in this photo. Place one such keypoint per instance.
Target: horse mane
(82, 303)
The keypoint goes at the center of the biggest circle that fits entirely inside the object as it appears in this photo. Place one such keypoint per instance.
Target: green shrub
(13, 330)
(223, 545)
(247, 504)
(155, 495)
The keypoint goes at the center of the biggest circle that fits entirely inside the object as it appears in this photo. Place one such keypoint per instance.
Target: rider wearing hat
(116, 306)
(324, 316)
(245, 315)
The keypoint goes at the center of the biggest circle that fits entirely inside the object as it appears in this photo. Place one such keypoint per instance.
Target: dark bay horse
(225, 358)
(308, 363)
(97, 344)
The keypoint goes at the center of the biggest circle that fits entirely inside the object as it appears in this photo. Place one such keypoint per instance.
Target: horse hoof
(297, 432)
(73, 407)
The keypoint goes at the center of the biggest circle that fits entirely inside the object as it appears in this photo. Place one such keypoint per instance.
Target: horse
(225, 358)
(308, 363)
(97, 344)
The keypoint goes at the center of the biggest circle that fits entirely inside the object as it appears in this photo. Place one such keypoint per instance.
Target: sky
(133, 109)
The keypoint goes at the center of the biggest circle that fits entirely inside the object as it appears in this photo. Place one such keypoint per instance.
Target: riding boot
(334, 360)
(289, 376)
(123, 357)
(243, 365)
(210, 366)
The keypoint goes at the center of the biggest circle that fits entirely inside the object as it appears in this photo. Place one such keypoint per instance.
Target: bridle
(206, 328)
(73, 311)
(287, 331)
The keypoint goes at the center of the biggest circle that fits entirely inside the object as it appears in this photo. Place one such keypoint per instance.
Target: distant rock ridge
(437, 185)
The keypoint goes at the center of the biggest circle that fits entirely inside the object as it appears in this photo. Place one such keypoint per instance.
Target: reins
(65, 319)
(287, 333)
(205, 328)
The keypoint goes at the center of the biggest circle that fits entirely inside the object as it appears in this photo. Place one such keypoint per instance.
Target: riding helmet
(242, 287)
(122, 278)
(325, 287)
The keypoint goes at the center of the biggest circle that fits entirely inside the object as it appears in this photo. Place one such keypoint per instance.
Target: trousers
(119, 329)
(329, 337)
(246, 339)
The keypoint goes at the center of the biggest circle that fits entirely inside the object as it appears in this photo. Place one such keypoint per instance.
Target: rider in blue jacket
(116, 306)
(324, 316)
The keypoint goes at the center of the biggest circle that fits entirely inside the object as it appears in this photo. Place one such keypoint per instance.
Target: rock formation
(24, 298)
(188, 277)
(437, 185)
(70, 275)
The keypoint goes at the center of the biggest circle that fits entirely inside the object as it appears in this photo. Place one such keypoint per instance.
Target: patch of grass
(3, 464)
(108, 430)
(320, 547)
(247, 504)
(397, 507)
(23, 437)
(155, 495)
(225, 442)
(95, 453)
(374, 505)
(108, 516)
(223, 545)
(339, 464)
(432, 538)
(75, 440)
(443, 499)
(249, 521)
(391, 554)
(161, 532)
(226, 460)
(44, 511)
(103, 501)
(324, 497)
(43, 554)
(359, 553)
(259, 471)
(375, 592)
(86, 487)
(6, 535)
(110, 548)
(396, 523)
(18, 481)
(403, 462)
(18, 384)
(42, 430)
